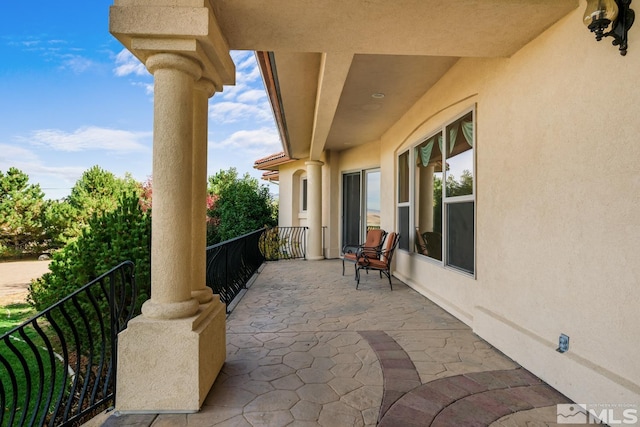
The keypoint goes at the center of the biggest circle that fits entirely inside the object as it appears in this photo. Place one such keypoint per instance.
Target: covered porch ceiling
(325, 63)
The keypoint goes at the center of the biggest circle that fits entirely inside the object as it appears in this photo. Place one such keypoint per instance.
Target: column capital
(186, 27)
(175, 62)
(206, 86)
(313, 163)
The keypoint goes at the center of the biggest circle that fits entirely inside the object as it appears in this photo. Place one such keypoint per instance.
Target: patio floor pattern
(305, 348)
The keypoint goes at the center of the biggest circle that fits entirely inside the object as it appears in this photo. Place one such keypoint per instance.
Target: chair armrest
(349, 249)
(368, 250)
(365, 253)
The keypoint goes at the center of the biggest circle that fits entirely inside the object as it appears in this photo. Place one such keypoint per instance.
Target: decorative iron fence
(231, 264)
(59, 367)
(284, 243)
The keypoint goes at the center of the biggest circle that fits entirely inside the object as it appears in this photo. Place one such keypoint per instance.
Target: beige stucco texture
(170, 356)
(557, 230)
(557, 212)
(170, 365)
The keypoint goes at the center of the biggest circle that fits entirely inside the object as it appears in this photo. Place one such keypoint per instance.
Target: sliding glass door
(360, 205)
(351, 183)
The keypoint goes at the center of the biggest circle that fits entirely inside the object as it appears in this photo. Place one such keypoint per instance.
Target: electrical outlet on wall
(563, 343)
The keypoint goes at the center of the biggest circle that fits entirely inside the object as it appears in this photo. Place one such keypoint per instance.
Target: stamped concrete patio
(305, 348)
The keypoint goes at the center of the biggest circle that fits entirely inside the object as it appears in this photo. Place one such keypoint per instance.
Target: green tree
(241, 205)
(21, 214)
(97, 192)
(462, 187)
(59, 219)
(122, 234)
(437, 204)
(454, 188)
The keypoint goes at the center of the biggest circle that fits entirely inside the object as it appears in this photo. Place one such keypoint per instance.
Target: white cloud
(30, 43)
(28, 162)
(242, 58)
(127, 64)
(257, 142)
(148, 87)
(247, 71)
(247, 100)
(11, 152)
(252, 95)
(76, 63)
(91, 138)
(230, 112)
(69, 174)
(247, 75)
(251, 75)
(230, 93)
(57, 52)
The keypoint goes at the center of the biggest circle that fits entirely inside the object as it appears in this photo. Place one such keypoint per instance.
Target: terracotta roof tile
(269, 158)
(272, 161)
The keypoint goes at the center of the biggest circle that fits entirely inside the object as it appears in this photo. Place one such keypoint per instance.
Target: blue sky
(72, 97)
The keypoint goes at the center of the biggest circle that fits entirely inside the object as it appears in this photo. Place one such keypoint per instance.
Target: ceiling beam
(334, 68)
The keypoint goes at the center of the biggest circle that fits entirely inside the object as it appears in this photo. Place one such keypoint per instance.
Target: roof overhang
(323, 61)
(272, 161)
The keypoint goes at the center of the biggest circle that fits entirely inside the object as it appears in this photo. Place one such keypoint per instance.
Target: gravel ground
(15, 278)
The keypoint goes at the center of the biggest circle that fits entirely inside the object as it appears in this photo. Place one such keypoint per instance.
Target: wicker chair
(371, 246)
(381, 261)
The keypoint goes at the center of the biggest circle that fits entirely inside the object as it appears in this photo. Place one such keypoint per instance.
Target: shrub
(111, 238)
(240, 205)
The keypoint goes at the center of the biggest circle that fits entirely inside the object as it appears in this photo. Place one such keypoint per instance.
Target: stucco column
(204, 89)
(169, 357)
(171, 224)
(314, 209)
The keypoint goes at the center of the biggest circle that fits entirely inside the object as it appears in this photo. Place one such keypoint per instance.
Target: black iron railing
(59, 367)
(231, 264)
(284, 243)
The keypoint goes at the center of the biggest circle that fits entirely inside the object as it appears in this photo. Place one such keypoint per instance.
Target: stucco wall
(289, 213)
(558, 211)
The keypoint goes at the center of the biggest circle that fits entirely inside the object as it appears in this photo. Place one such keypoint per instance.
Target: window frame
(446, 200)
(405, 239)
(304, 194)
(365, 195)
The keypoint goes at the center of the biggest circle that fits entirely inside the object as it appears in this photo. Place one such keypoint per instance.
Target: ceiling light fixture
(613, 15)
(377, 95)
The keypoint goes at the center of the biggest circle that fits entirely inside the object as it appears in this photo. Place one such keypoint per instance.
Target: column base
(170, 365)
(315, 258)
(203, 295)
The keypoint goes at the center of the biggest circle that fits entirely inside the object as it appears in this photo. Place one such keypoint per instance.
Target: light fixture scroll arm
(621, 26)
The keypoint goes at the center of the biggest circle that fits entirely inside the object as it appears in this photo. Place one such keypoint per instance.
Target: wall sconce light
(610, 18)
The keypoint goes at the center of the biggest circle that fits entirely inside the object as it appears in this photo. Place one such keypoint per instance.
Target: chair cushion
(350, 256)
(375, 263)
(374, 238)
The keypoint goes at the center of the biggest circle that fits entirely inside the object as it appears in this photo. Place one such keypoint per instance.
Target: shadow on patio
(304, 347)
